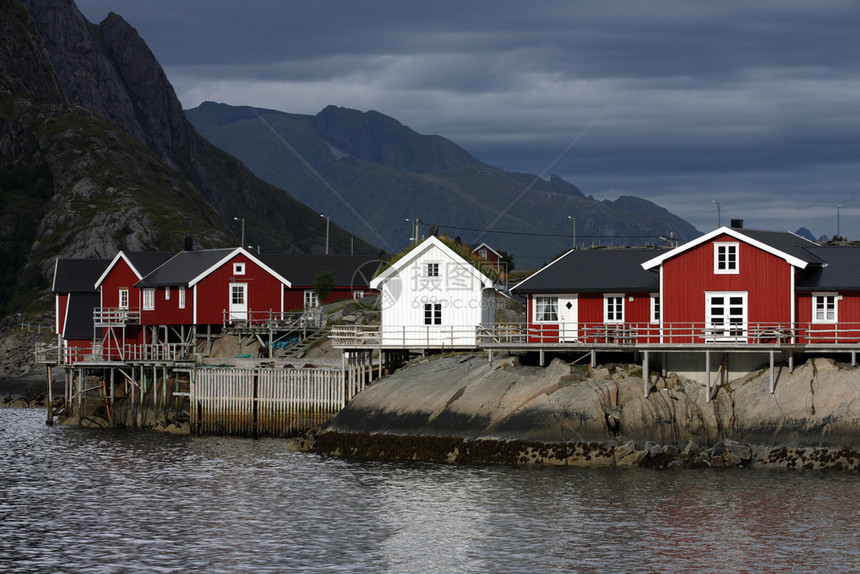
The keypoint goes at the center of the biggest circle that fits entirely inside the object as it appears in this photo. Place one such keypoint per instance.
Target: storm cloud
(751, 105)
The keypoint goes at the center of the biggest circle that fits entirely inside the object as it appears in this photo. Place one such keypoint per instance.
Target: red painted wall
(687, 277)
(213, 292)
(847, 312)
(119, 277)
(62, 300)
(167, 311)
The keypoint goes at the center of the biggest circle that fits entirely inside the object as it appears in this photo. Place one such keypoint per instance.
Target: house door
(726, 316)
(238, 301)
(568, 318)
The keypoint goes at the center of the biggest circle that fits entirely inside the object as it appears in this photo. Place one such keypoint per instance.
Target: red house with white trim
(731, 285)
(75, 299)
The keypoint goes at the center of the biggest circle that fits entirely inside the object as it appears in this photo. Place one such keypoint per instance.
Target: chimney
(189, 243)
(737, 223)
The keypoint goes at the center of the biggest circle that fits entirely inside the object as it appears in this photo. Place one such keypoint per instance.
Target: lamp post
(574, 230)
(243, 229)
(327, 222)
(719, 223)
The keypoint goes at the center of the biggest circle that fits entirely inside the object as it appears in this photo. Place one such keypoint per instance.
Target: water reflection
(77, 500)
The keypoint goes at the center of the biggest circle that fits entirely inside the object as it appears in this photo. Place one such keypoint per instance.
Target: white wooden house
(432, 297)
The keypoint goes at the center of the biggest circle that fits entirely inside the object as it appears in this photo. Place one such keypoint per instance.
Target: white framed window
(181, 291)
(432, 313)
(546, 309)
(123, 298)
(824, 307)
(432, 269)
(655, 307)
(148, 299)
(726, 258)
(482, 253)
(358, 294)
(726, 316)
(311, 299)
(613, 308)
(238, 269)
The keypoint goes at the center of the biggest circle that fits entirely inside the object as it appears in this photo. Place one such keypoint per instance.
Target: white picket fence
(264, 402)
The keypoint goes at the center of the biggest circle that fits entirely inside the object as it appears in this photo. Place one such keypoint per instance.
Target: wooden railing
(621, 334)
(310, 319)
(115, 317)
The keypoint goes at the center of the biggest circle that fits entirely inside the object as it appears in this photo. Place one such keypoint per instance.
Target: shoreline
(463, 409)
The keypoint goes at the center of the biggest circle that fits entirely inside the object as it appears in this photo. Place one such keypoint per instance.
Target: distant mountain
(805, 233)
(370, 173)
(97, 155)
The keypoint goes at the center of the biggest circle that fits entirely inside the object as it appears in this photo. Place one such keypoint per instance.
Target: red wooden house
(488, 254)
(211, 287)
(731, 285)
(351, 274)
(120, 303)
(75, 299)
(592, 296)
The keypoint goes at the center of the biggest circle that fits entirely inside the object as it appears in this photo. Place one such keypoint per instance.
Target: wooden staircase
(298, 350)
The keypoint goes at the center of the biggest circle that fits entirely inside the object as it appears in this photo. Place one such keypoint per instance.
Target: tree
(323, 285)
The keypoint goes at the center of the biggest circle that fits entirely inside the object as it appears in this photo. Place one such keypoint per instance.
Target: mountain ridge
(372, 185)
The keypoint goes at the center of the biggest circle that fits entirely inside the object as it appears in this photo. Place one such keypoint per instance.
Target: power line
(565, 235)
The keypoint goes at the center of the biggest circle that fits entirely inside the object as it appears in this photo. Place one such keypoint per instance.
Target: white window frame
(122, 302)
(239, 268)
(816, 297)
(358, 295)
(545, 309)
(615, 300)
(730, 246)
(734, 334)
(312, 300)
(181, 297)
(148, 299)
(656, 308)
(431, 268)
(482, 253)
(167, 293)
(432, 313)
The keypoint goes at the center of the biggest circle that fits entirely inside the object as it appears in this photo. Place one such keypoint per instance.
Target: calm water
(74, 500)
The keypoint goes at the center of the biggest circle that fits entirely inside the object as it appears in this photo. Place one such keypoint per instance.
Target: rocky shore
(463, 409)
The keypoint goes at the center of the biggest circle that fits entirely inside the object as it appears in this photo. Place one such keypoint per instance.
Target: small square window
(725, 258)
(613, 308)
(432, 270)
(432, 313)
(238, 269)
(546, 309)
(824, 308)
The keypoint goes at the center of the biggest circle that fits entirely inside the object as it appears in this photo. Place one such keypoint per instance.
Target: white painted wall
(465, 302)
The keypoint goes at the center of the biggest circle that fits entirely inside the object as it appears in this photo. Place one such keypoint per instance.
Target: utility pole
(574, 230)
(719, 223)
(327, 221)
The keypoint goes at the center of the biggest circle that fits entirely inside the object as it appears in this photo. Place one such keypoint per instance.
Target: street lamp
(574, 230)
(415, 223)
(243, 229)
(327, 222)
(719, 223)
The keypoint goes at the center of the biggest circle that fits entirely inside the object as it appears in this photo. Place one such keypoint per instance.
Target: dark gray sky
(750, 104)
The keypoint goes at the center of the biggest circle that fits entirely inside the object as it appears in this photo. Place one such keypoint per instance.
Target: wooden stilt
(772, 378)
(542, 360)
(708, 375)
(49, 400)
(645, 376)
(112, 392)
